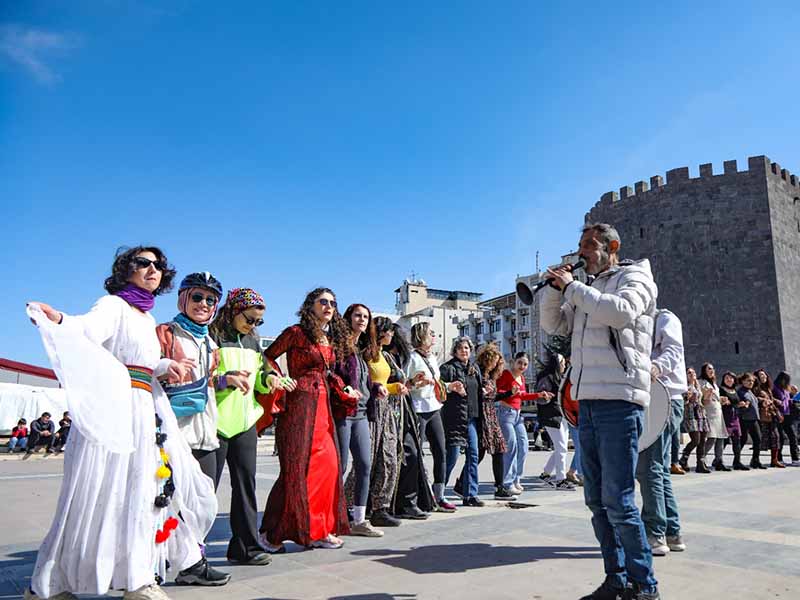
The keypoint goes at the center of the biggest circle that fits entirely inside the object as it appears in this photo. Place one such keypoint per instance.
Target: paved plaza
(742, 530)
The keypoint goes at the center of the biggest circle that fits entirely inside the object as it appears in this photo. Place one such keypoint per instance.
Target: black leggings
(752, 429)
(430, 423)
(736, 442)
(787, 431)
(497, 466)
(697, 439)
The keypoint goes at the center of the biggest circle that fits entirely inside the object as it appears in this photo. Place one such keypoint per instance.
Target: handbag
(273, 403)
(439, 388)
(190, 398)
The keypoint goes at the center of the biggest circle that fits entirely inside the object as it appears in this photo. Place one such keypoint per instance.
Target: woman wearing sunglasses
(118, 494)
(186, 341)
(306, 504)
(242, 371)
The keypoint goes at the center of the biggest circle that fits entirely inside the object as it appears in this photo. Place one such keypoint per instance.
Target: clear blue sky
(285, 145)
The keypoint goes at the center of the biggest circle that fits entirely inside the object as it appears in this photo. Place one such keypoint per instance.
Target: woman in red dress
(306, 504)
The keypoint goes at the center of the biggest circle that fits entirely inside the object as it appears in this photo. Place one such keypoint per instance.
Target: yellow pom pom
(163, 472)
(164, 457)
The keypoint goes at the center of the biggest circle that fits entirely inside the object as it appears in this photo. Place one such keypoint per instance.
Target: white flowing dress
(103, 533)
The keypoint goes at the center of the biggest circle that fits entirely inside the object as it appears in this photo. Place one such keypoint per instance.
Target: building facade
(494, 322)
(443, 309)
(725, 254)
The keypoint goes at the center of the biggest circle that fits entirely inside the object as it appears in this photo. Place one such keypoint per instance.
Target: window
(498, 325)
(524, 320)
(465, 331)
(641, 233)
(524, 343)
(736, 347)
(479, 328)
(513, 326)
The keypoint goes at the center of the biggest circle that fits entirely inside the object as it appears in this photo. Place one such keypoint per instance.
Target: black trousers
(240, 454)
(430, 425)
(787, 431)
(37, 439)
(752, 429)
(207, 459)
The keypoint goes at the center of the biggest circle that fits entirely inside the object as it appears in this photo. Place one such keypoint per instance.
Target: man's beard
(603, 262)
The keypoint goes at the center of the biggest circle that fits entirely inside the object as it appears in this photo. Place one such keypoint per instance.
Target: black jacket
(549, 413)
(455, 410)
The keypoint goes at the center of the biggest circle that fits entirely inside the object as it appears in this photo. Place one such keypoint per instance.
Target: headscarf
(183, 302)
(240, 299)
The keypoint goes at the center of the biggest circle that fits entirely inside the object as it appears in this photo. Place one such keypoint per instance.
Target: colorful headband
(240, 299)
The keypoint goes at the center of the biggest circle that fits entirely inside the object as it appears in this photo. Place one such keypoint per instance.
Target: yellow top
(380, 371)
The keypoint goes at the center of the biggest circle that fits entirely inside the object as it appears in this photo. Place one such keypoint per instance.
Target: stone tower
(725, 252)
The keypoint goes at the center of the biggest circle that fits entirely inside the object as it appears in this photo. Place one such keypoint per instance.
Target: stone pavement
(742, 530)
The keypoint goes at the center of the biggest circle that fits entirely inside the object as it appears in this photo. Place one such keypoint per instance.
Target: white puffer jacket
(611, 322)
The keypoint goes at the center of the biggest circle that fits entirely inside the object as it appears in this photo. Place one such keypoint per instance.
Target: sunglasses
(326, 302)
(140, 262)
(198, 298)
(251, 321)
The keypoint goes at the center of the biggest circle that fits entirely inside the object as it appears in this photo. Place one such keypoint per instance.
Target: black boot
(606, 591)
(738, 466)
(701, 467)
(684, 462)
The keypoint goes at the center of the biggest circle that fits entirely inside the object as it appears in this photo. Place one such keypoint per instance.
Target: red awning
(18, 367)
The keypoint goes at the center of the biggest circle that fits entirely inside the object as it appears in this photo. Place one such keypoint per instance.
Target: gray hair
(461, 340)
(604, 232)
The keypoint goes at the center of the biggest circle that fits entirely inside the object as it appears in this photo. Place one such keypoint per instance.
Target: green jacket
(238, 411)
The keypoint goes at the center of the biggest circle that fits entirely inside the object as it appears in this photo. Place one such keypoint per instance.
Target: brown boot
(676, 469)
(775, 462)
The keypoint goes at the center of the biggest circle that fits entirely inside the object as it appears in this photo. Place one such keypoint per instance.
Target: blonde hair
(419, 334)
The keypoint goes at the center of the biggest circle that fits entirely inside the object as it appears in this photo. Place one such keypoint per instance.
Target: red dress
(323, 466)
(306, 503)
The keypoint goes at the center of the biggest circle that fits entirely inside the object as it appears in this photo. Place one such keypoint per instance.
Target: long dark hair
(704, 373)
(367, 344)
(382, 325)
(400, 346)
(762, 387)
(783, 381)
(123, 268)
(338, 333)
(548, 368)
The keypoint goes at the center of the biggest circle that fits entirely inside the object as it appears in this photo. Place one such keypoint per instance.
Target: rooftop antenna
(537, 261)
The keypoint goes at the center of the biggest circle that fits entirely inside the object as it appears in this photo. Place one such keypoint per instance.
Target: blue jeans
(513, 427)
(469, 474)
(609, 436)
(17, 442)
(575, 465)
(659, 507)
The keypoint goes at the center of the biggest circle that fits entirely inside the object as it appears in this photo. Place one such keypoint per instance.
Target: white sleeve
(669, 341)
(102, 321)
(557, 316)
(616, 310)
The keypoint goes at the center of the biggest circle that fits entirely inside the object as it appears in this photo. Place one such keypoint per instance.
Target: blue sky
(285, 145)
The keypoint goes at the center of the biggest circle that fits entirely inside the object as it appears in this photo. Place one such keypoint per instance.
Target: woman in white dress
(717, 432)
(128, 473)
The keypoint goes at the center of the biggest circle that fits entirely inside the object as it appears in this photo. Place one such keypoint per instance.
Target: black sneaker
(606, 591)
(635, 593)
(565, 485)
(202, 573)
(258, 559)
(381, 518)
(474, 502)
(503, 493)
(414, 513)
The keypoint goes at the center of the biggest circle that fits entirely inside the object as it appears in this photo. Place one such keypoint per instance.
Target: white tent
(17, 400)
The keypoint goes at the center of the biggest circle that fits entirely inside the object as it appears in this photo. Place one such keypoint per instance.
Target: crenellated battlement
(756, 165)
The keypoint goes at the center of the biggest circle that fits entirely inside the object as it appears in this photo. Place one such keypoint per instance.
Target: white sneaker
(331, 542)
(365, 529)
(675, 543)
(264, 543)
(29, 595)
(517, 488)
(658, 546)
(147, 592)
(795, 463)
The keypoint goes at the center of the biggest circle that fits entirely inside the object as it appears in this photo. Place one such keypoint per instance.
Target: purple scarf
(137, 297)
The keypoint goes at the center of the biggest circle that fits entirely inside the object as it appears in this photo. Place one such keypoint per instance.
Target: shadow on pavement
(459, 558)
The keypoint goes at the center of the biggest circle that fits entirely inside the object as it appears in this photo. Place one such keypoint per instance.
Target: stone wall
(710, 243)
(784, 202)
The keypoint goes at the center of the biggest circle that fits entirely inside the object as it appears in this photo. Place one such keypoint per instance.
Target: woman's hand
(177, 369)
(352, 393)
(382, 392)
(49, 311)
(548, 395)
(402, 390)
(457, 387)
(239, 380)
(276, 382)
